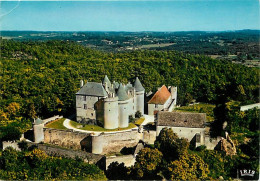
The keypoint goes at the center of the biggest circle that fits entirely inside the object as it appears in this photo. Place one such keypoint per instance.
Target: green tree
(187, 167)
(147, 163)
(116, 171)
(170, 144)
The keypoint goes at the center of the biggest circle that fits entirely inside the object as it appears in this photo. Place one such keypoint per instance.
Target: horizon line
(135, 31)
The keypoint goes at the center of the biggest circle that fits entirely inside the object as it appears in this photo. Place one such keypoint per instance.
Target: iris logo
(246, 172)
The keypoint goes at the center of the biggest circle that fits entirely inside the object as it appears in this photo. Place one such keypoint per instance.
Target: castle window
(91, 114)
(156, 105)
(84, 98)
(85, 106)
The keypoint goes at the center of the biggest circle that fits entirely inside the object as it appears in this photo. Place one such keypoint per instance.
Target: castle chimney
(81, 83)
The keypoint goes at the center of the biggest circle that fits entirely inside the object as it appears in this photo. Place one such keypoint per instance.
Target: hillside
(47, 74)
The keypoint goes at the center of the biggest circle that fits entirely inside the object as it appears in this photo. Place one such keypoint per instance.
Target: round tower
(38, 130)
(111, 112)
(139, 96)
(97, 144)
(123, 107)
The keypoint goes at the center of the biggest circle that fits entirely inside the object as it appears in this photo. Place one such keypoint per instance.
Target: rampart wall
(67, 138)
(114, 142)
(128, 160)
(107, 143)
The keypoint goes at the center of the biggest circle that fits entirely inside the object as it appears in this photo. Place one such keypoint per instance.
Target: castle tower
(123, 107)
(97, 144)
(139, 96)
(111, 112)
(173, 91)
(38, 130)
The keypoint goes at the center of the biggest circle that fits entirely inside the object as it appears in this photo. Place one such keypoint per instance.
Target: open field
(156, 45)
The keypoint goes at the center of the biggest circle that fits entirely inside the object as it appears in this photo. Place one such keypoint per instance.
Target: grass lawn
(98, 128)
(199, 108)
(57, 124)
(139, 121)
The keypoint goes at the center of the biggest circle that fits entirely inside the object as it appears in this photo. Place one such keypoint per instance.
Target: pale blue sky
(213, 15)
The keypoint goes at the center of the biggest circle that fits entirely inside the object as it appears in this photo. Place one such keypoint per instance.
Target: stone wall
(152, 108)
(107, 143)
(12, 144)
(128, 160)
(67, 138)
(89, 112)
(55, 151)
(114, 142)
(211, 143)
(149, 136)
(185, 132)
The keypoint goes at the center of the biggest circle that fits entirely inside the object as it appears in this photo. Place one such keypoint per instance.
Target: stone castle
(111, 104)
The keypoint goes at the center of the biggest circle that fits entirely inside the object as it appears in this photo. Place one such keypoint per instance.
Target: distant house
(163, 100)
(184, 124)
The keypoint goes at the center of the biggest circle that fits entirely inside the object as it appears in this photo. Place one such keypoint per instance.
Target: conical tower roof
(138, 86)
(121, 93)
(38, 121)
(106, 80)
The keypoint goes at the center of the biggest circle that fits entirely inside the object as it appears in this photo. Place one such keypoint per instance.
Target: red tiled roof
(161, 96)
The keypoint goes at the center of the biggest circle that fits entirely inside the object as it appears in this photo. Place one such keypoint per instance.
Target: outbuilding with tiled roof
(185, 124)
(162, 100)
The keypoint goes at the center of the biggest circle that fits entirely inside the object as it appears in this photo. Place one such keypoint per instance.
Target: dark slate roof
(116, 85)
(106, 80)
(181, 119)
(92, 89)
(138, 86)
(128, 87)
(161, 96)
(121, 93)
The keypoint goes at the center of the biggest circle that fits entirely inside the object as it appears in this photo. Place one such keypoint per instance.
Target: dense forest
(41, 79)
(34, 164)
(46, 75)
